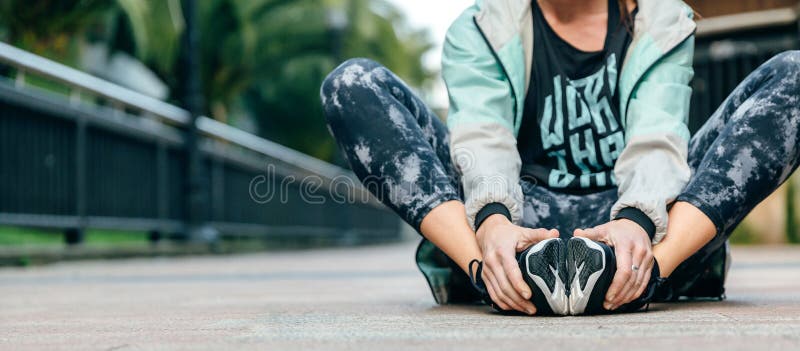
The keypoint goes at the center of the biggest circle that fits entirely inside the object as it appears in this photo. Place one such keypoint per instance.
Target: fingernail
(531, 311)
(526, 294)
(607, 306)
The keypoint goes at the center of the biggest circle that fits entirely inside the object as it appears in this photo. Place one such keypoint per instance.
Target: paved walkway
(362, 299)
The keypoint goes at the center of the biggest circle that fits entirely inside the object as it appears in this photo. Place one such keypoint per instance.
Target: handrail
(75, 78)
(747, 20)
(53, 70)
(269, 148)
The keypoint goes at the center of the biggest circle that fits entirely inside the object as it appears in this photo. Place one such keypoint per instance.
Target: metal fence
(102, 156)
(728, 48)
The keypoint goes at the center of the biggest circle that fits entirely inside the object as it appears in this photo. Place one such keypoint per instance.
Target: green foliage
(744, 234)
(276, 53)
(20, 236)
(156, 26)
(260, 58)
(49, 27)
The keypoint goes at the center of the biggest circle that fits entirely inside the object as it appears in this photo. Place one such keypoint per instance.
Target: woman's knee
(355, 73)
(786, 63)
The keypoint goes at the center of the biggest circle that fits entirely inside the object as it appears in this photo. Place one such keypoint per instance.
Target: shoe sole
(543, 263)
(584, 255)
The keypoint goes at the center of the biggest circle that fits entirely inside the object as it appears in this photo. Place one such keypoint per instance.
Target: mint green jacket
(486, 64)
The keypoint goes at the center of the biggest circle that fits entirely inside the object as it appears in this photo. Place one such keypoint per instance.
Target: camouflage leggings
(399, 149)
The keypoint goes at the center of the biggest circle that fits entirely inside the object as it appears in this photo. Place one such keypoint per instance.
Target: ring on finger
(638, 281)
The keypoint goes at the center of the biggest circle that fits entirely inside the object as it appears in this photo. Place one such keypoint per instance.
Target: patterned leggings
(399, 149)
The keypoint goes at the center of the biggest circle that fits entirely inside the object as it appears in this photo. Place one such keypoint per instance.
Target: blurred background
(153, 127)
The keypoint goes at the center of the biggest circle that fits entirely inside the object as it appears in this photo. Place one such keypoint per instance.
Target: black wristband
(490, 209)
(637, 216)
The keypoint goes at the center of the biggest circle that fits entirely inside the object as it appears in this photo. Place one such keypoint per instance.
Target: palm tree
(259, 58)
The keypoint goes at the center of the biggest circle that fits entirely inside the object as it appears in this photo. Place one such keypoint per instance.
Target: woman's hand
(633, 248)
(499, 241)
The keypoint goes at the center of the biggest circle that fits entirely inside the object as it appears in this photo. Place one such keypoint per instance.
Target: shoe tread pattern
(540, 264)
(593, 261)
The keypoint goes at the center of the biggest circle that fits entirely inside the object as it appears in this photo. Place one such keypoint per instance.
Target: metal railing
(729, 47)
(104, 156)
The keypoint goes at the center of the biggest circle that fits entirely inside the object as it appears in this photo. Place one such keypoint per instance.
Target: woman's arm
(481, 121)
(484, 152)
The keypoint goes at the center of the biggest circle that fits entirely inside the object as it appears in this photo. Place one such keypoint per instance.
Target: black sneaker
(590, 269)
(543, 268)
(591, 266)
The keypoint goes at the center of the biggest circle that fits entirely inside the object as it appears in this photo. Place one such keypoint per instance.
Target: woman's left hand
(634, 254)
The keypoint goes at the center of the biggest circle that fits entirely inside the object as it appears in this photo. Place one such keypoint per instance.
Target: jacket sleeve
(482, 139)
(652, 168)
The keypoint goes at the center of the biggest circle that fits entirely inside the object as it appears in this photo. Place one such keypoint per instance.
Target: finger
(532, 236)
(511, 296)
(515, 277)
(495, 300)
(523, 290)
(589, 233)
(505, 292)
(631, 295)
(623, 274)
(491, 285)
(628, 292)
(640, 260)
(640, 254)
(645, 279)
(539, 234)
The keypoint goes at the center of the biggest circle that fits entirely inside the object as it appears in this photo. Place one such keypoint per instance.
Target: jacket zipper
(503, 68)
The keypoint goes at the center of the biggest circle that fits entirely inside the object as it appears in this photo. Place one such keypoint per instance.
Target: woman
(566, 181)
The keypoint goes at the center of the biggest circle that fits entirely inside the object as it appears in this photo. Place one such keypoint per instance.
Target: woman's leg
(399, 149)
(748, 148)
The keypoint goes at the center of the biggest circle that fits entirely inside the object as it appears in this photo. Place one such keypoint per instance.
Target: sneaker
(590, 269)
(543, 268)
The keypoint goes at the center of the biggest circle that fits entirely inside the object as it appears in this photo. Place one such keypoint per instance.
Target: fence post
(196, 195)
(75, 236)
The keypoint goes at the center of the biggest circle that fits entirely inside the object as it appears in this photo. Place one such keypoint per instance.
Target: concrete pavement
(369, 298)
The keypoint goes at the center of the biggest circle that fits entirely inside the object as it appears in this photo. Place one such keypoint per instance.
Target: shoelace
(472, 278)
(659, 283)
(480, 287)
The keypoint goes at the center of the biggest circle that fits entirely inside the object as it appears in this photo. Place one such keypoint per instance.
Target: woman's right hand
(500, 240)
